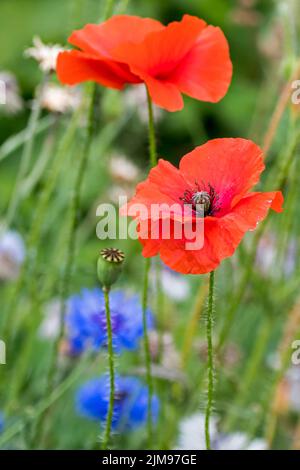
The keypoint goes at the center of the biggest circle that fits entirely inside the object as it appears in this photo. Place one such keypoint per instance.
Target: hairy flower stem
(160, 304)
(151, 133)
(153, 162)
(147, 351)
(210, 358)
(111, 363)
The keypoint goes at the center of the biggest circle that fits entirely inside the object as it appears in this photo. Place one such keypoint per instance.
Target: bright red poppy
(220, 174)
(187, 57)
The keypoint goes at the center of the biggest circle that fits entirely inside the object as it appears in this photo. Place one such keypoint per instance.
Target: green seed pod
(109, 266)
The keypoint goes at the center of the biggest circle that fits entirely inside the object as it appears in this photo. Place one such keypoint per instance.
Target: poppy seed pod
(109, 266)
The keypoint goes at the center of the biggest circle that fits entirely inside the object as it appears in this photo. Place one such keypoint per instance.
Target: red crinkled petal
(231, 166)
(163, 94)
(221, 236)
(164, 185)
(206, 72)
(120, 29)
(159, 55)
(74, 67)
(160, 52)
(225, 233)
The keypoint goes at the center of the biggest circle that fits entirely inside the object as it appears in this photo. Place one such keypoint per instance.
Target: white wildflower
(11, 101)
(170, 357)
(192, 436)
(116, 192)
(173, 284)
(293, 380)
(44, 54)
(60, 99)
(49, 328)
(122, 169)
(12, 254)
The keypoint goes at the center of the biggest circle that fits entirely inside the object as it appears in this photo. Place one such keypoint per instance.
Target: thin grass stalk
(210, 359)
(27, 152)
(193, 322)
(233, 307)
(248, 378)
(109, 417)
(153, 162)
(46, 402)
(148, 367)
(35, 234)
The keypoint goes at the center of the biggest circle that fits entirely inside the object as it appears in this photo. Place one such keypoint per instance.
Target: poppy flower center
(205, 197)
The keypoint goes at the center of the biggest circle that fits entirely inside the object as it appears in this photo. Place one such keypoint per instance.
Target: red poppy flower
(187, 57)
(220, 174)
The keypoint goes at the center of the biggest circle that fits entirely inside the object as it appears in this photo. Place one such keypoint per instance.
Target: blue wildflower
(2, 422)
(86, 321)
(130, 407)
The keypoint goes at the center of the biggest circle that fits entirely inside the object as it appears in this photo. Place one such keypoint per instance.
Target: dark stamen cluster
(203, 194)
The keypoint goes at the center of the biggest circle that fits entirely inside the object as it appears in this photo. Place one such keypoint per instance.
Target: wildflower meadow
(149, 227)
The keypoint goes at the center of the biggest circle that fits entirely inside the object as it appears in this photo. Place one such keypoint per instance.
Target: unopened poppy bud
(109, 266)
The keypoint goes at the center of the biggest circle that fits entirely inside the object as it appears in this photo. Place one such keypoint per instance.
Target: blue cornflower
(130, 407)
(2, 422)
(86, 321)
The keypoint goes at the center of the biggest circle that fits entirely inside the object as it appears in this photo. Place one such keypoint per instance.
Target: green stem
(27, 152)
(160, 304)
(109, 9)
(151, 132)
(123, 6)
(153, 162)
(111, 372)
(210, 361)
(147, 352)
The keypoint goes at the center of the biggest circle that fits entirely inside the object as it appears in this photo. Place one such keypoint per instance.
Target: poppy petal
(221, 236)
(225, 234)
(163, 94)
(119, 29)
(174, 255)
(206, 72)
(164, 185)
(231, 166)
(160, 52)
(253, 208)
(75, 67)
